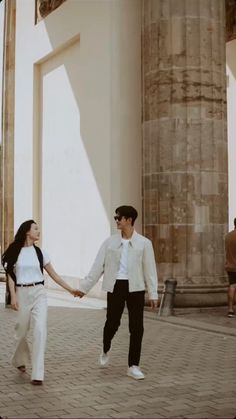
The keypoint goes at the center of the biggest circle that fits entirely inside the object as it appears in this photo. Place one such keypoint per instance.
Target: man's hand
(14, 303)
(78, 293)
(153, 304)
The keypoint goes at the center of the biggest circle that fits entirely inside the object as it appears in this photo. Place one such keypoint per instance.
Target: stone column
(7, 155)
(44, 7)
(230, 11)
(185, 174)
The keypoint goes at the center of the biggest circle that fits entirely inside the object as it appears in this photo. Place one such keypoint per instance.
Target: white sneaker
(104, 359)
(135, 373)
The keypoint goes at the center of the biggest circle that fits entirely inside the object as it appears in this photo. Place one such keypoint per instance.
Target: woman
(24, 263)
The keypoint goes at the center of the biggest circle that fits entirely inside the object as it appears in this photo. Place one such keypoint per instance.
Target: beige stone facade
(184, 148)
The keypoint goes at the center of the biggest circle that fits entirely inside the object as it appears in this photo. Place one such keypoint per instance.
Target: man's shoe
(104, 359)
(135, 373)
(230, 314)
(37, 382)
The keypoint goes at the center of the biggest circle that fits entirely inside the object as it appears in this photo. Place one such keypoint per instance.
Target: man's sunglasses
(118, 217)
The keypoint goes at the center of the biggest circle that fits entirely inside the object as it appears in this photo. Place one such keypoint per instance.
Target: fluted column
(185, 175)
(8, 103)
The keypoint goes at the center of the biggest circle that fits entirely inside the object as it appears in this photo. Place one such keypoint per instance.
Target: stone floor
(189, 361)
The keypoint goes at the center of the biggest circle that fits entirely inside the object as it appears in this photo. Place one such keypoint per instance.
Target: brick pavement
(190, 371)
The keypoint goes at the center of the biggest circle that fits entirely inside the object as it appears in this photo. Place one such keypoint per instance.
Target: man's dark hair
(235, 223)
(128, 212)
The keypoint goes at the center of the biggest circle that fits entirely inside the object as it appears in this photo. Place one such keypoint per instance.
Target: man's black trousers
(115, 306)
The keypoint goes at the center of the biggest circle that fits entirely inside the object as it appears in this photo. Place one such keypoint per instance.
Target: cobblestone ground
(190, 372)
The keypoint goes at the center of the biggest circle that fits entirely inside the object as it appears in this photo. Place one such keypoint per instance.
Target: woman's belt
(30, 285)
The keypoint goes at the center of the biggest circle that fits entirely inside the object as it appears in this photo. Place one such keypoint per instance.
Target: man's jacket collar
(132, 239)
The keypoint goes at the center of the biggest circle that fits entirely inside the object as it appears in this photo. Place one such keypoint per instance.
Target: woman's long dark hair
(11, 254)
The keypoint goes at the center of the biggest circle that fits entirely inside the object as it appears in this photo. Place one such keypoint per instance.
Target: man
(230, 267)
(128, 264)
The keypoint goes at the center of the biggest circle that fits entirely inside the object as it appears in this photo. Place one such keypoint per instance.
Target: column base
(208, 296)
(193, 296)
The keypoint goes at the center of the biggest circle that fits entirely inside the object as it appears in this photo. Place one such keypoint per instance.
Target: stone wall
(230, 7)
(185, 173)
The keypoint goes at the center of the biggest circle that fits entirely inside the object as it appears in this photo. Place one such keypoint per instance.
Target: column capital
(45, 7)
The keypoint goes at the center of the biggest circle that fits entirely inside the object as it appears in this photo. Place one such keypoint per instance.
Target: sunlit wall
(77, 124)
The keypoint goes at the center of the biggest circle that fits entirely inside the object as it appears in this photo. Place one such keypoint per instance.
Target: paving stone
(190, 372)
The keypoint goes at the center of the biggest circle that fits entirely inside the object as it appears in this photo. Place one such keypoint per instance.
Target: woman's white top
(27, 268)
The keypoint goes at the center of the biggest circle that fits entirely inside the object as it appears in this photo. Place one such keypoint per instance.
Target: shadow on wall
(109, 120)
(91, 100)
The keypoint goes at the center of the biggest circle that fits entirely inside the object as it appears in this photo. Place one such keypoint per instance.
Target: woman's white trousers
(32, 311)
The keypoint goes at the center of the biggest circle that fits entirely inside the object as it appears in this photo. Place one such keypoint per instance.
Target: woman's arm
(52, 273)
(11, 283)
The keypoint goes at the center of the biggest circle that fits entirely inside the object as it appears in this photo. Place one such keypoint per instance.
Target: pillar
(185, 174)
(8, 104)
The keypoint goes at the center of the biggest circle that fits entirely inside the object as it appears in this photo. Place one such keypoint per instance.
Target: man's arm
(150, 273)
(85, 284)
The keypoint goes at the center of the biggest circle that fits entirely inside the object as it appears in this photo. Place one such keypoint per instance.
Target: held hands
(77, 293)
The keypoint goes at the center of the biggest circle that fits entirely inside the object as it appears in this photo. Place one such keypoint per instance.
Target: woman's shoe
(37, 382)
(21, 368)
(230, 314)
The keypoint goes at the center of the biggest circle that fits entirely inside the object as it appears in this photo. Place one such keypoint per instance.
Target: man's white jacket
(141, 266)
